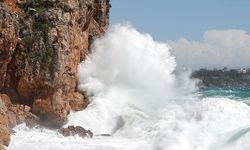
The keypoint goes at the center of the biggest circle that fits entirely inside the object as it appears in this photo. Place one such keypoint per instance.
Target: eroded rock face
(40, 69)
(8, 39)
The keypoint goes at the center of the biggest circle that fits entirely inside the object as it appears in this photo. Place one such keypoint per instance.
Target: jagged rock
(78, 130)
(11, 116)
(41, 44)
(18, 114)
(54, 38)
(4, 128)
(8, 39)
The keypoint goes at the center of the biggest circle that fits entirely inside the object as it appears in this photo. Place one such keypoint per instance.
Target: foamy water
(136, 98)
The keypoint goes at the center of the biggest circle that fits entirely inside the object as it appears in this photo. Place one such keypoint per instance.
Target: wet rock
(64, 131)
(75, 130)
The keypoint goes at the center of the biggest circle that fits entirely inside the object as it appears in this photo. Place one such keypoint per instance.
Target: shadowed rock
(75, 130)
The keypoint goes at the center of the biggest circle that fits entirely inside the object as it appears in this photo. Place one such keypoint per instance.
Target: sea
(137, 102)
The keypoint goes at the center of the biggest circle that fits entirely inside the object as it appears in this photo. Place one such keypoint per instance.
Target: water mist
(136, 97)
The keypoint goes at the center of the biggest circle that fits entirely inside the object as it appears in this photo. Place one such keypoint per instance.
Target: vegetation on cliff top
(223, 77)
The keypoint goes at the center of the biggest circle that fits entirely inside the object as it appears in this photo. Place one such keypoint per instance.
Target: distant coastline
(225, 78)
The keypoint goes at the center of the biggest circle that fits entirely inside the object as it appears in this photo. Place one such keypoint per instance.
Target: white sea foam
(136, 97)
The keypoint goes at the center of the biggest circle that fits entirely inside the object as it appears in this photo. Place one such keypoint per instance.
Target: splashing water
(127, 69)
(136, 97)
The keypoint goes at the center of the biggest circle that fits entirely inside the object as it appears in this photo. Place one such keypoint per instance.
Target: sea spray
(132, 79)
(128, 69)
(137, 97)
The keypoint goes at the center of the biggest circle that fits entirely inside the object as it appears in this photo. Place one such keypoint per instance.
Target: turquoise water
(238, 94)
(235, 93)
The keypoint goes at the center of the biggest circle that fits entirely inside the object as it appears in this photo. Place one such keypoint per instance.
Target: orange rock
(2, 147)
(42, 72)
(78, 102)
(4, 135)
(4, 129)
(18, 114)
(6, 100)
(52, 114)
(12, 5)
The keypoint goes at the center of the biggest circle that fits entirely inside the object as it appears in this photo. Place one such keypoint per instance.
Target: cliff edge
(41, 44)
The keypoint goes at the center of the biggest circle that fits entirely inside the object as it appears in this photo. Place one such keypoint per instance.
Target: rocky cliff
(41, 44)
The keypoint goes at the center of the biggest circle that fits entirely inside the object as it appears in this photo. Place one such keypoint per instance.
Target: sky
(202, 33)
(173, 19)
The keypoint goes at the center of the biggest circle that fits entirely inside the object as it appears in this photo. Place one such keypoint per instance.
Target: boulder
(75, 130)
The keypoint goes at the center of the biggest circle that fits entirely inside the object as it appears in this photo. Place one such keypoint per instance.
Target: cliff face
(41, 44)
(8, 40)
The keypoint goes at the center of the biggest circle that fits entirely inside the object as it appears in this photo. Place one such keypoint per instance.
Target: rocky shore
(222, 78)
(41, 44)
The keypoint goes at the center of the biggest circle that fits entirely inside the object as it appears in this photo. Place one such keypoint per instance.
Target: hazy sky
(173, 19)
(201, 33)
